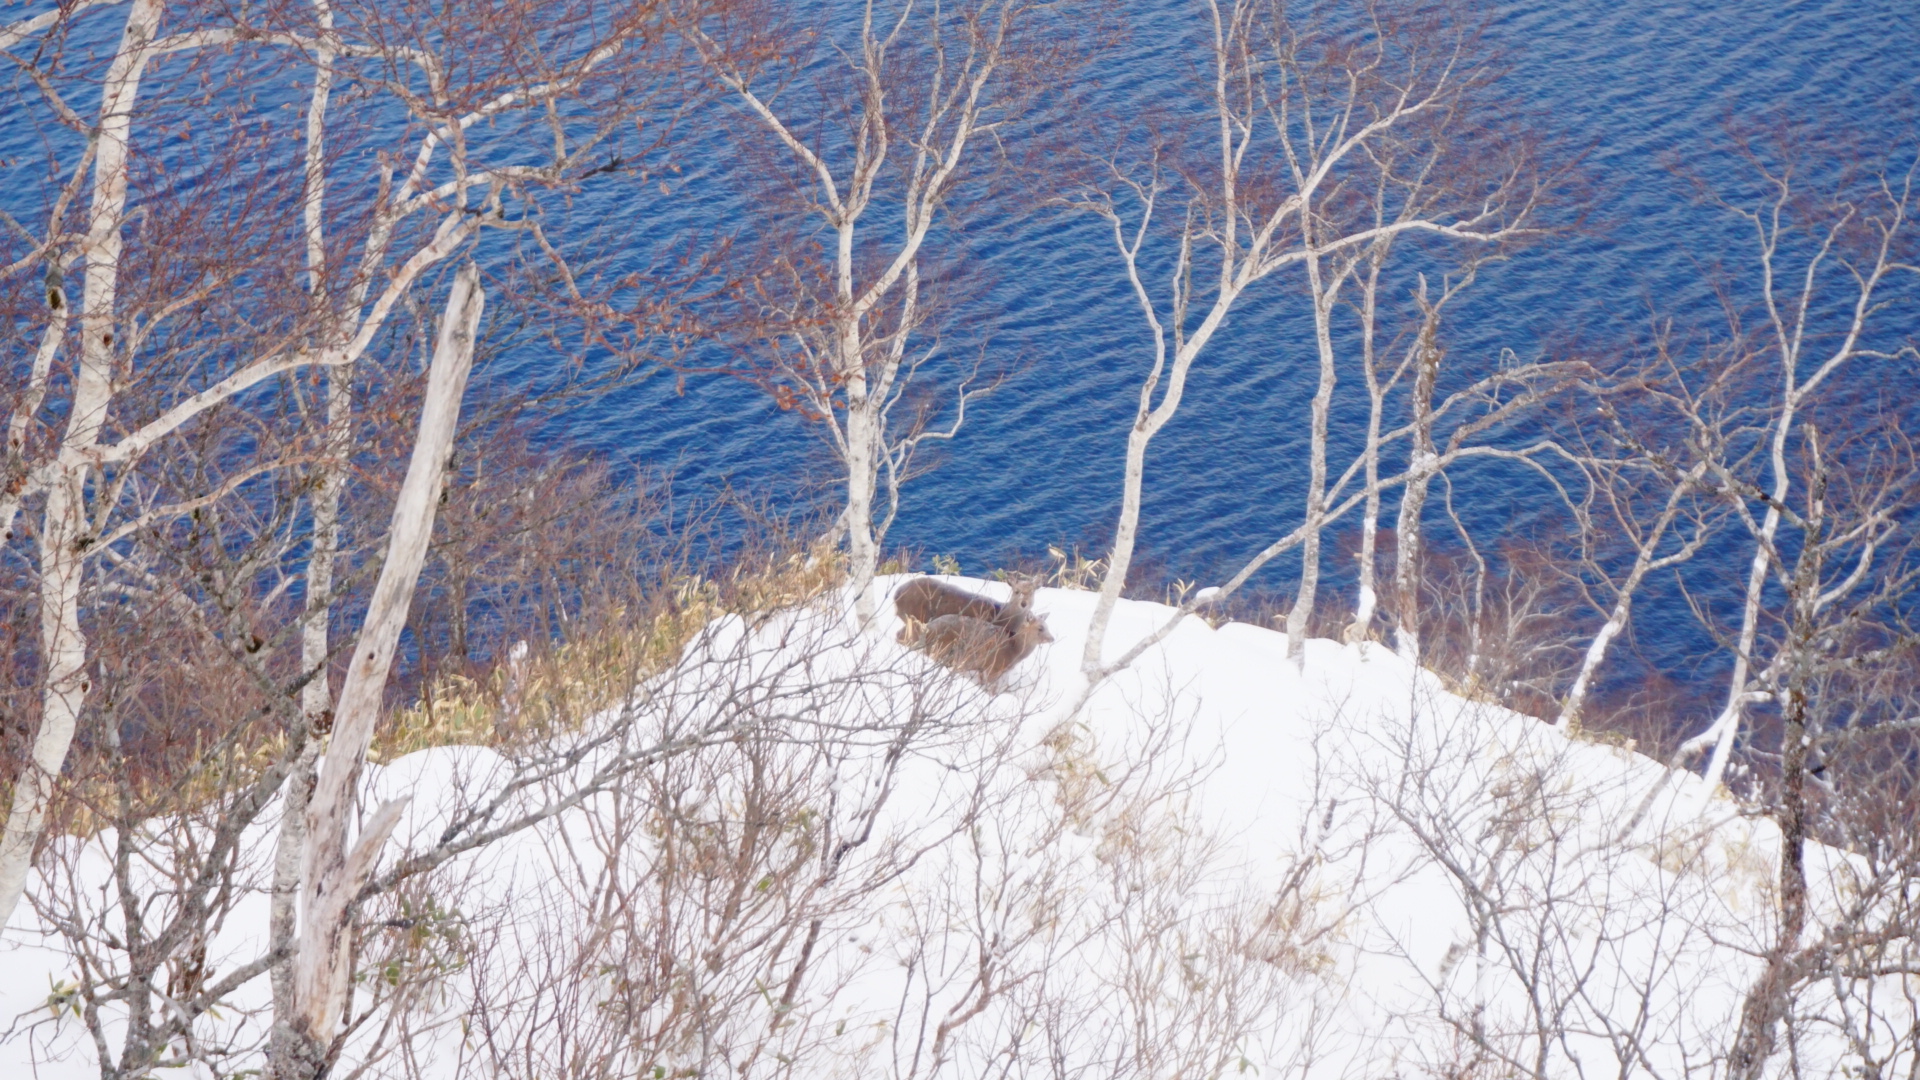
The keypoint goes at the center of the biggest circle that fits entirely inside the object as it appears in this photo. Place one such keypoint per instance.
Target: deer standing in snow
(968, 632)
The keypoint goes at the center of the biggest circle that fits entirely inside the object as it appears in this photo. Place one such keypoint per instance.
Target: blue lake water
(1645, 85)
(1641, 84)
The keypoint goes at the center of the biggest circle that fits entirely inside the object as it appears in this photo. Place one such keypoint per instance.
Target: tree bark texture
(333, 869)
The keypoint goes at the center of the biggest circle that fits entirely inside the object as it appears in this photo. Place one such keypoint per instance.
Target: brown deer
(969, 632)
(923, 600)
(964, 643)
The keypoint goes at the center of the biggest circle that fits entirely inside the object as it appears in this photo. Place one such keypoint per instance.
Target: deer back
(965, 643)
(923, 600)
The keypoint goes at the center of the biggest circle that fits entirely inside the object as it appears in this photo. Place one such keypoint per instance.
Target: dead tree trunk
(1407, 575)
(334, 870)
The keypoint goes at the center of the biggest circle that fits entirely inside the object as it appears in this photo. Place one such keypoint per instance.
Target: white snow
(1222, 863)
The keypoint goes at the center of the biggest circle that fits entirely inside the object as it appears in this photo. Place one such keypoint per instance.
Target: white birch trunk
(1407, 573)
(1120, 556)
(332, 870)
(316, 697)
(65, 531)
(1596, 654)
(864, 433)
(1725, 728)
(36, 393)
(1368, 598)
(1297, 619)
(1148, 420)
(1644, 563)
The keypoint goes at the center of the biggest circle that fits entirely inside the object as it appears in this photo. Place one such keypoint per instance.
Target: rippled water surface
(1643, 84)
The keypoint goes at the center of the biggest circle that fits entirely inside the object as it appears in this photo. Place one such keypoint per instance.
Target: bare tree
(1843, 587)
(1301, 118)
(875, 140)
(1649, 501)
(1450, 162)
(1830, 261)
(1763, 431)
(214, 309)
(332, 871)
(166, 314)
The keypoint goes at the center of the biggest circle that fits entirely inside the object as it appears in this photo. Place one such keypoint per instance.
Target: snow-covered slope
(1221, 863)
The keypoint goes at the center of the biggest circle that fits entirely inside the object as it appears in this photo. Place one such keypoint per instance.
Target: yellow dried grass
(542, 695)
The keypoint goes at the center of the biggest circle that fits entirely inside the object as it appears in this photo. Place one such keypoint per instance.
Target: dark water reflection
(1644, 84)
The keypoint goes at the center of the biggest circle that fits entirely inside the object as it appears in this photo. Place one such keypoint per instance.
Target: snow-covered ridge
(1221, 863)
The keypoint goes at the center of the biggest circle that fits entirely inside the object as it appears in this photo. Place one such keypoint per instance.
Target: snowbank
(1221, 863)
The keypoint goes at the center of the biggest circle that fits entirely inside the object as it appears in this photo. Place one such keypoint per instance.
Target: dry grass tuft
(1073, 570)
(535, 694)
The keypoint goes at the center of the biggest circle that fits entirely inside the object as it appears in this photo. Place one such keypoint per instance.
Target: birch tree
(145, 353)
(1449, 163)
(875, 140)
(1831, 262)
(332, 871)
(1820, 481)
(1854, 566)
(1650, 503)
(308, 249)
(1294, 116)
(1770, 437)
